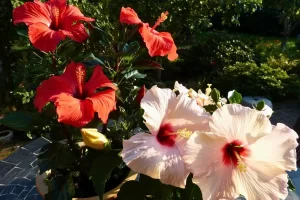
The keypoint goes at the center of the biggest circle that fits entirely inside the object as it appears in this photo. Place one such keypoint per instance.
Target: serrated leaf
(61, 188)
(215, 95)
(260, 105)
(134, 74)
(91, 60)
(55, 156)
(234, 97)
(18, 120)
(131, 190)
(101, 169)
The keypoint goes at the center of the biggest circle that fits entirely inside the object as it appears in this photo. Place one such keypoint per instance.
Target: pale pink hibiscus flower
(242, 154)
(170, 119)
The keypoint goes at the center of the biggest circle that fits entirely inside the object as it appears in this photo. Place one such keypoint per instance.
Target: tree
(289, 15)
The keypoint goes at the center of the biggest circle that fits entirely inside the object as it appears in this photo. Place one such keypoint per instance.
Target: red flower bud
(140, 94)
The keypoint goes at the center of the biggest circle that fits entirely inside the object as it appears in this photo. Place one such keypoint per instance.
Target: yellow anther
(164, 16)
(208, 90)
(242, 167)
(185, 133)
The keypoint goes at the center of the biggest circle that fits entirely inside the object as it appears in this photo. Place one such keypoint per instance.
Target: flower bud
(140, 94)
(92, 138)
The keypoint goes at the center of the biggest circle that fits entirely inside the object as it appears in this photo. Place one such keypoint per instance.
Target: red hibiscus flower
(158, 43)
(76, 101)
(49, 23)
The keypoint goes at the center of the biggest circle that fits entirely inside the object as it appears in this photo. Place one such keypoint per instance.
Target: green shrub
(250, 79)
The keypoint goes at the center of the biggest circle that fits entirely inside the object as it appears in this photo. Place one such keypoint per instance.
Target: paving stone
(20, 181)
(26, 163)
(18, 156)
(8, 197)
(33, 191)
(23, 194)
(10, 175)
(37, 144)
(18, 190)
(30, 175)
(8, 189)
(5, 168)
(2, 188)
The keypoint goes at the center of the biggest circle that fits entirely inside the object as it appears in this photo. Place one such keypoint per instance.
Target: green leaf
(260, 105)
(215, 95)
(234, 97)
(210, 108)
(191, 191)
(18, 120)
(101, 169)
(134, 74)
(91, 60)
(146, 64)
(131, 190)
(131, 48)
(21, 48)
(61, 188)
(291, 186)
(55, 156)
(155, 188)
(23, 32)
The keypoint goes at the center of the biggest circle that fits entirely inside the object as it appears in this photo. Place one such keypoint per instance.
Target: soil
(10, 147)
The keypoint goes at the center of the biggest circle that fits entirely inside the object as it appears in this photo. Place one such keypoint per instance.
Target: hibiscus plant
(103, 122)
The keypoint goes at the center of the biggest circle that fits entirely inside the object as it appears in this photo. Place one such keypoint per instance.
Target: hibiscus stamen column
(240, 164)
(80, 76)
(234, 153)
(161, 19)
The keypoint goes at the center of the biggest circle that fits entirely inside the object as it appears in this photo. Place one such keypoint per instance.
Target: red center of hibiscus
(54, 18)
(166, 135)
(233, 152)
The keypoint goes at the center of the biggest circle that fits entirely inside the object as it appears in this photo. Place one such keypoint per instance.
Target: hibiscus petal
(158, 43)
(72, 14)
(103, 103)
(31, 13)
(256, 184)
(277, 148)
(76, 32)
(155, 104)
(180, 88)
(237, 122)
(97, 80)
(144, 154)
(50, 89)
(43, 38)
(72, 111)
(203, 158)
(129, 16)
(183, 112)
